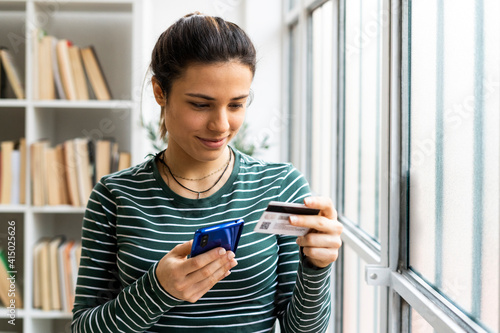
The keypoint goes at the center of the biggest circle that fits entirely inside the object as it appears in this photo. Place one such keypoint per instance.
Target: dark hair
(197, 38)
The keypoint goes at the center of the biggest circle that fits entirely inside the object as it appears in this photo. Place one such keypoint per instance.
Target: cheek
(182, 120)
(237, 120)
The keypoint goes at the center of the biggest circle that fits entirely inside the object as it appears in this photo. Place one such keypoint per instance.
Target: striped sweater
(133, 219)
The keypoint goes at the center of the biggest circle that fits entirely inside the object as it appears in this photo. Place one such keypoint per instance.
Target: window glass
(454, 152)
(419, 324)
(363, 83)
(322, 96)
(361, 301)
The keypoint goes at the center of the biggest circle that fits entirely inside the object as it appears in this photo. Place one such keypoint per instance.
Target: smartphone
(274, 220)
(226, 235)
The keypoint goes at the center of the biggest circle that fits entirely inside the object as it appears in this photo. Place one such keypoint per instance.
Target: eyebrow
(212, 99)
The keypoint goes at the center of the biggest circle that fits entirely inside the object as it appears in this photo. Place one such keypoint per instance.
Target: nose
(219, 120)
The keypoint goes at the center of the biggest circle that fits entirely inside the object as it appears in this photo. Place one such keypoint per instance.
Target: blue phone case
(226, 235)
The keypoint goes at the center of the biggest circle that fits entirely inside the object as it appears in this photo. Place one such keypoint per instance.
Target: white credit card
(275, 219)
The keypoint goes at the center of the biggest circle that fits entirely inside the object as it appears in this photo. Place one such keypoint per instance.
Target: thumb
(182, 250)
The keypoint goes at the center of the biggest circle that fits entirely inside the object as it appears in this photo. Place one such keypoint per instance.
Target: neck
(187, 166)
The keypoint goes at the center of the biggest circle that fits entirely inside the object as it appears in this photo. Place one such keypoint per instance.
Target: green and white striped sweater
(133, 219)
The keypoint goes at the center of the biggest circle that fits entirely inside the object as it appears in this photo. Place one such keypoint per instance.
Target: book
(51, 176)
(103, 158)
(65, 272)
(65, 70)
(15, 177)
(3, 81)
(83, 166)
(124, 161)
(54, 277)
(38, 175)
(22, 171)
(79, 76)
(56, 72)
(75, 255)
(61, 176)
(37, 273)
(66, 174)
(44, 275)
(115, 156)
(55, 268)
(95, 74)
(7, 148)
(46, 85)
(11, 72)
(71, 173)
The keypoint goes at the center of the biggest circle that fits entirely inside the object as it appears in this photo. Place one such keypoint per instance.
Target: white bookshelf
(114, 28)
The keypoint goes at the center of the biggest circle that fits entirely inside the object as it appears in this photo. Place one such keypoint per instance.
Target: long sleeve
(304, 297)
(101, 304)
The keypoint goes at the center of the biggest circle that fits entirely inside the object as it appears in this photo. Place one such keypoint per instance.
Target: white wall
(262, 21)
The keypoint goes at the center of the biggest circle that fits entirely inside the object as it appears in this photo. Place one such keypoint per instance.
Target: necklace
(213, 173)
(193, 191)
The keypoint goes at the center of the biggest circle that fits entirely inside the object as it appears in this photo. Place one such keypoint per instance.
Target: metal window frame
(440, 313)
(387, 261)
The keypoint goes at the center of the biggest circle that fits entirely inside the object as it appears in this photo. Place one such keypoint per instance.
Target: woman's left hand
(321, 244)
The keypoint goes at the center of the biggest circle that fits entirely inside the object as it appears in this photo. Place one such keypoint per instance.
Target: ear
(158, 92)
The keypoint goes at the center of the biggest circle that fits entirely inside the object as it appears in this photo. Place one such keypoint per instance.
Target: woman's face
(205, 108)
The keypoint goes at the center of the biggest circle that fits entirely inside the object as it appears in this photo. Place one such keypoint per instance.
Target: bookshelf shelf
(20, 313)
(61, 209)
(113, 28)
(13, 208)
(39, 314)
(75, 105)
(13, 103)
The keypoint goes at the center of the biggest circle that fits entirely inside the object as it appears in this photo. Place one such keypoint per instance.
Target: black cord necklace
(190, 190)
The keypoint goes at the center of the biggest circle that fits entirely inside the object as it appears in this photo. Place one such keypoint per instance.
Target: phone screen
(226, 235)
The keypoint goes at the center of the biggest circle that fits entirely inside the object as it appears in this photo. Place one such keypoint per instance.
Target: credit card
(275, 219)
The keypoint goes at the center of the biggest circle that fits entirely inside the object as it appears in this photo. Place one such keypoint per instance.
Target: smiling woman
(204, 112)
(135, 273)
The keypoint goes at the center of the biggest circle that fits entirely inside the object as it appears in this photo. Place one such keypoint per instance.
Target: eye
(200, 106)
(236, 106)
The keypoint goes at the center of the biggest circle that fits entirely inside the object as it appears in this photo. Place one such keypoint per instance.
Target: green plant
(241, 143)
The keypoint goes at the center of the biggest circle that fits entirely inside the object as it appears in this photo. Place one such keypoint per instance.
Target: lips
(213, 143)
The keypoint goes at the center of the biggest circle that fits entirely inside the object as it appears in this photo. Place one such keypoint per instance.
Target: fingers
(321, 245)
(205, 265)
(205, 274)
(189, 279)
(201, 261)
(320, 249)
(182, 250)
(319, 240)
(318, 223)
(325, 204)
(207, 277)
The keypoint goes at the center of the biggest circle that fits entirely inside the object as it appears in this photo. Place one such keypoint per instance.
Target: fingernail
(227, 273)
(307, 200)
(293, 219)
(234, 263)
(222, 251)
(230, 255)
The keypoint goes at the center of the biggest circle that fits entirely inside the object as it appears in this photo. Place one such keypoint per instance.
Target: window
(394, 112)
(454, 152)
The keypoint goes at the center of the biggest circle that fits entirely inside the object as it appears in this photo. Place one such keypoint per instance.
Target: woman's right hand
(190, 279)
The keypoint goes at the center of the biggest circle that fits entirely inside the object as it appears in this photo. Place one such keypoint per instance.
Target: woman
(135, 274)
